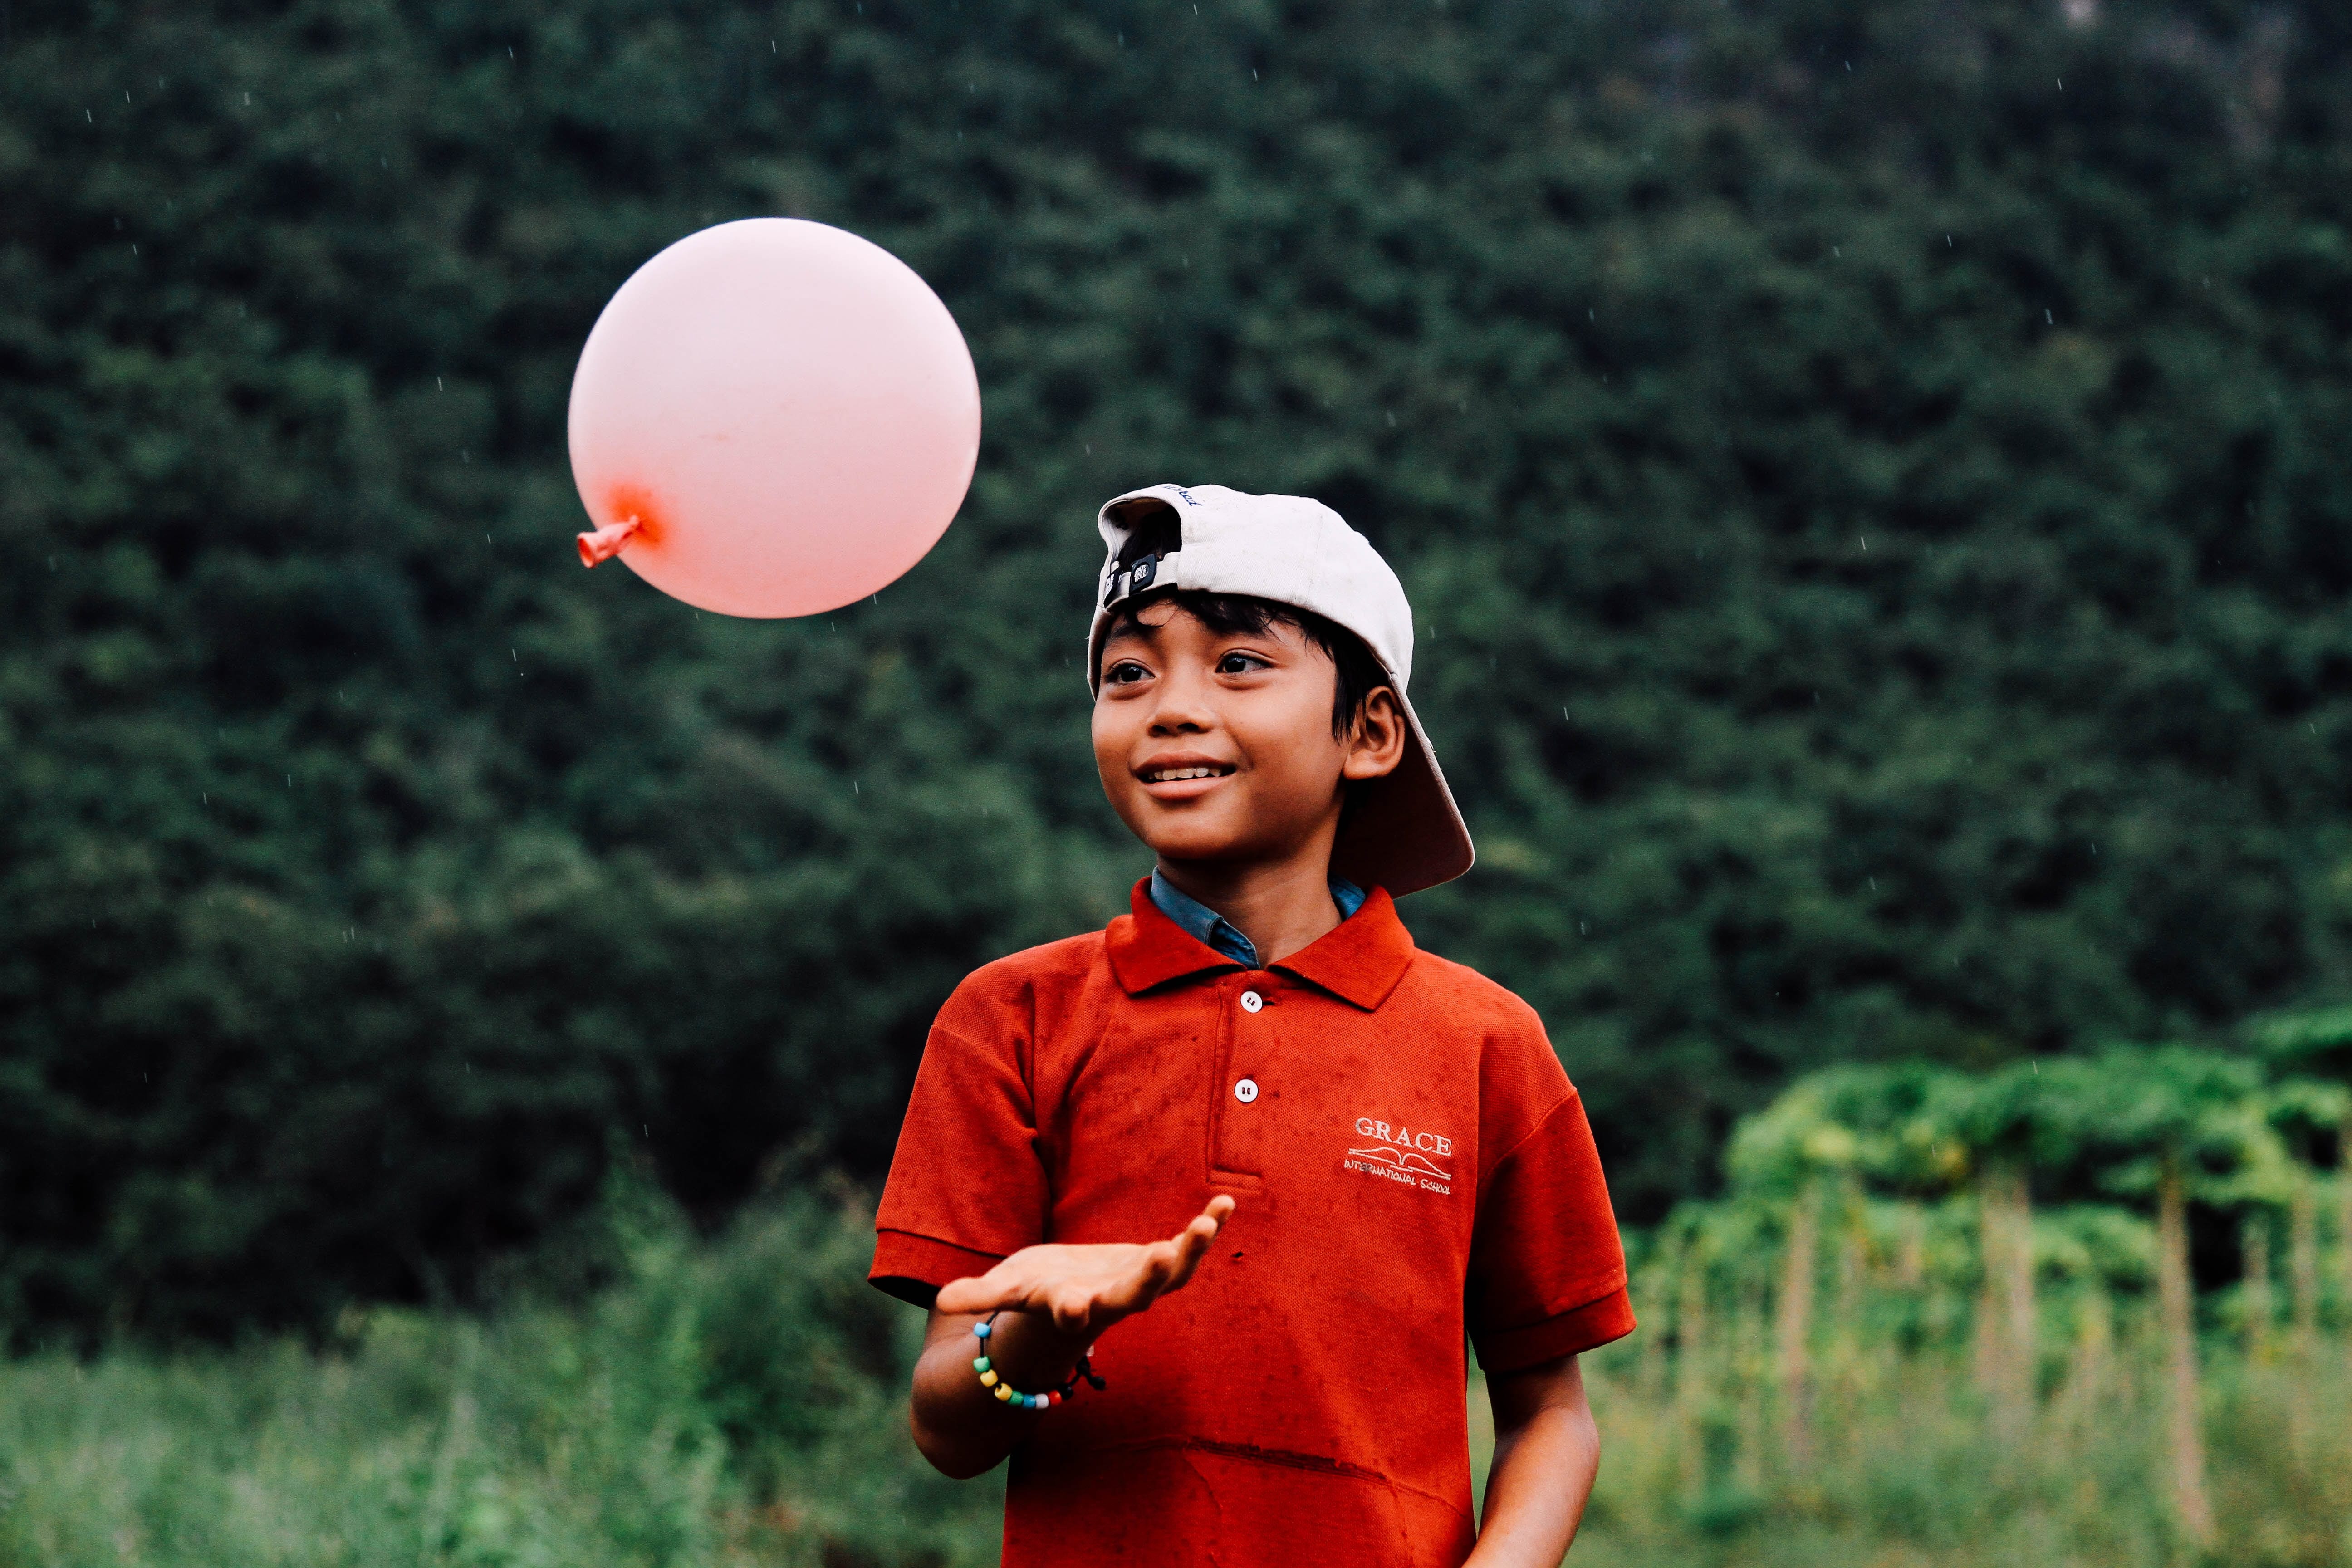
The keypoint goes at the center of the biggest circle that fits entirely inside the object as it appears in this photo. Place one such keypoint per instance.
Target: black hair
(1360, 672)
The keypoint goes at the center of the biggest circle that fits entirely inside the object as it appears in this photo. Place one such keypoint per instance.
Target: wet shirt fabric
(1409, 1162)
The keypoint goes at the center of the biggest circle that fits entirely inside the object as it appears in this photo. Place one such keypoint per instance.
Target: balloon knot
(606, 542)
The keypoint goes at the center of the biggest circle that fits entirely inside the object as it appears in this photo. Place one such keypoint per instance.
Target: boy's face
(1217, 746)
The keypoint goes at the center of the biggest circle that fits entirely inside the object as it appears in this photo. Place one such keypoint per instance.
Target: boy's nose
(1180, 709)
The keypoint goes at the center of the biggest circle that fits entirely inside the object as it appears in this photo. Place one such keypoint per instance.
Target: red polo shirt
(1408, 1162)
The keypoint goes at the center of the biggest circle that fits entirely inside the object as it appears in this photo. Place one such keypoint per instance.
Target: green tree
(1873, 516)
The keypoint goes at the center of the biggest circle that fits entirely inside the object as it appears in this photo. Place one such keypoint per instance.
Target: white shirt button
(1252, 1001)
(1246, 1091)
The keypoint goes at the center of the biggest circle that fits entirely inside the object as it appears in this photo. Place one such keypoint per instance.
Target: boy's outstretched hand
(1086, 1289)
(1055, 1299)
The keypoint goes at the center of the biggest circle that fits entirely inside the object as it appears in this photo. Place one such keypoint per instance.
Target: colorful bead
(993, 1381)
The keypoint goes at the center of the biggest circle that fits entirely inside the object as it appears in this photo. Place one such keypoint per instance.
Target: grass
(677, 1404)
(1913, 1462)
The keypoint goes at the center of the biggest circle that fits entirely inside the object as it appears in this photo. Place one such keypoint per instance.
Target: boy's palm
(1089, 1288)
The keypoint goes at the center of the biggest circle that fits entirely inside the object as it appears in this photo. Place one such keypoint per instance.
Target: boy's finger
(1191, 1247)
(1072, 1305)
(981, 1292)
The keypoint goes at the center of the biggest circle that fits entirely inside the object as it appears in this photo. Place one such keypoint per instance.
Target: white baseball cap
(1402, 831)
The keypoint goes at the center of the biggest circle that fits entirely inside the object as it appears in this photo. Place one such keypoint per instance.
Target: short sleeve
(1547, 1269)
(967, 1185)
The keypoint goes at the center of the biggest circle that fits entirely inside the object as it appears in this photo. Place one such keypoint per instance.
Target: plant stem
(2175, 1308)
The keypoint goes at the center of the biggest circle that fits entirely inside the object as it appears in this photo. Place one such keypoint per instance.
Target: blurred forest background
(1870, 477)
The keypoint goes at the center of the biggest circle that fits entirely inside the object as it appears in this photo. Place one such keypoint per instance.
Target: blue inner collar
(1215, 931)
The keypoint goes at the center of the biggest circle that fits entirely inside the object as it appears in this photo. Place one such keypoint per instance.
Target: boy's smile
(1182, 775)
(1217, 747)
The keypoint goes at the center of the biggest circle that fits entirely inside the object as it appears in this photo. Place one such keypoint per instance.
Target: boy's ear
(1376, 741)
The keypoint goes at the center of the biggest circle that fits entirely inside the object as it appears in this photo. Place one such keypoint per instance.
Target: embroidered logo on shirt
(1402, 1155)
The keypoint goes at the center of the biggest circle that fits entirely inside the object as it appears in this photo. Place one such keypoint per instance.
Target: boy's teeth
(1172, 775)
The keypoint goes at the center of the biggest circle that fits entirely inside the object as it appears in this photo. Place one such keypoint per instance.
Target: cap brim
(1403, 831)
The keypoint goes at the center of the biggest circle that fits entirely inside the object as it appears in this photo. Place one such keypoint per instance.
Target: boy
(1377, 1149)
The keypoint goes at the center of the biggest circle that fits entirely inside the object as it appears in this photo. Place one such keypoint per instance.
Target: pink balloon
(773, 418)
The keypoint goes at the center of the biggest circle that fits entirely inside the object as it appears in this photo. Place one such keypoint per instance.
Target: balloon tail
(606, 542)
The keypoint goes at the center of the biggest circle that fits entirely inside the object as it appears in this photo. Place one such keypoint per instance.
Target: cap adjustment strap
(1128, 581)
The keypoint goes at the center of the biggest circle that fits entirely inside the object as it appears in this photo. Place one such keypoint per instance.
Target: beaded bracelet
(1083, 1373)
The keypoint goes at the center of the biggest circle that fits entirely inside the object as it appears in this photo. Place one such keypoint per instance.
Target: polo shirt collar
(1359, 960)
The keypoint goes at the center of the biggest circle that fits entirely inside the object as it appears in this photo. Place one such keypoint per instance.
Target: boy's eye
(1241, 664)
(1123, 672)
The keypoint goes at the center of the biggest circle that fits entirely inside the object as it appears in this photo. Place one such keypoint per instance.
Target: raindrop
(510, 51)
(1252, 73)
(2048, 317)
(854, 789)
(134, 250)
(1947, 242)
(1849, 66)
(1834, 250)
(126, 95)
(207, 800)
(1582, 929)
(248, 100)
(86, 114)
(2062, 84)
(1873, 884)
(1865, 543)
(290, 781)
(514, 656)
(437, 387)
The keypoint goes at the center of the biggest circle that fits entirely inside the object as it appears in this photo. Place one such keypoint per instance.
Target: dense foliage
(1863, 473)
